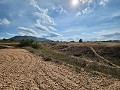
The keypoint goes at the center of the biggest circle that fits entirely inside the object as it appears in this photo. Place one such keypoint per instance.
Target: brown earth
(21, 70)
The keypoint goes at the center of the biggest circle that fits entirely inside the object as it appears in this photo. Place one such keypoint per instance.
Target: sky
(63, 20)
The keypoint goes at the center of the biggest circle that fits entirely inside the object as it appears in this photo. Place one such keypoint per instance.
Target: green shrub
(29, 42)
(35, 45)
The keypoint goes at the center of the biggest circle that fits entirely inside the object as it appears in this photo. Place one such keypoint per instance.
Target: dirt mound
(102, 54)
(21, 70)
(111, 53)
(75, 50)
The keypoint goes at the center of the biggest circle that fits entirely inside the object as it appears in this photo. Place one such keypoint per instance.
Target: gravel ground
(21, 70)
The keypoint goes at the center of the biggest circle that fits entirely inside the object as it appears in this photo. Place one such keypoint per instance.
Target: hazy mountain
(29, 37)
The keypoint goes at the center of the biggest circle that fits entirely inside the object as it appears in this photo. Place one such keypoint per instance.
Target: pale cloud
(52, 28)
(78, 14)
(86, 1)
(87, 10)
(103, 2)
(45, 19)
(44, 22)
(89, 5)
(27, 32)
(62, 10)
(41, 27)
(54, 34)
(4, 21)
(59, 9)
(35, 4)
(51, 35)
(115, 35)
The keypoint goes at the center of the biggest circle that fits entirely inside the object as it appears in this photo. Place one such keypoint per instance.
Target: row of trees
(29, 39)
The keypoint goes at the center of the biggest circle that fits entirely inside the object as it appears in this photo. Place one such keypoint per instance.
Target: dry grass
(78, 56)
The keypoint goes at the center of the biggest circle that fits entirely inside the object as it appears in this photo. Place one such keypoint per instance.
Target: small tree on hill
(80, 40)
(4, 39)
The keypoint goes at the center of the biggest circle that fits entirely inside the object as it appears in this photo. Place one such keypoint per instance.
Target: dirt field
(21, 70)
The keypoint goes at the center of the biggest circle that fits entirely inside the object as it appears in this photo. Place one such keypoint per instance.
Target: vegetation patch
(30, 43)
(2, 47)
(50, 54)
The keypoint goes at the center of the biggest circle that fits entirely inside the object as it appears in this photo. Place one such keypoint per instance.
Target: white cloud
(78, 14)
(89, 5)
(59, 9)
(4, 21)
(86, 1)
(103, 2)
(112, 34)
(45, 19)
(41, 27)
(54, 34)
(115, 35)
(35, 4)
(44, 22)
(52, 28)
(27, 32)
(87, 10)
(62, 10)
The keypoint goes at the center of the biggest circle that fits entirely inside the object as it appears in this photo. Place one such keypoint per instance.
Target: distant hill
(17, 38)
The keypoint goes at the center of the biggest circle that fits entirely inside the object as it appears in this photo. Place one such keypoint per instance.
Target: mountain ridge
(29, 37)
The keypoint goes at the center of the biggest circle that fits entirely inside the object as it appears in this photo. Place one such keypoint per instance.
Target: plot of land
(21, 70)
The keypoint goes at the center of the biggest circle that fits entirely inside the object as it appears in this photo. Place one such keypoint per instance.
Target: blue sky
(63, 20)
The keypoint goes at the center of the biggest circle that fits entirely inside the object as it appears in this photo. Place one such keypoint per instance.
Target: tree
(4, 39)
(80, 40)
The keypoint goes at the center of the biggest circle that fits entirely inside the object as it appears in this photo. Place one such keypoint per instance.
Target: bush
(29, 42)
(35, 45)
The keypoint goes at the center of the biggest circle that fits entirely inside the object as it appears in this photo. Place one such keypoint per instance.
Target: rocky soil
(21, 70)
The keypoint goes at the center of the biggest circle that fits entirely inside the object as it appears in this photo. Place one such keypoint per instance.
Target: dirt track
(21, 70)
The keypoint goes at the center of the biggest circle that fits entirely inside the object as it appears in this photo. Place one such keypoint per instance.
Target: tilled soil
(21, 70)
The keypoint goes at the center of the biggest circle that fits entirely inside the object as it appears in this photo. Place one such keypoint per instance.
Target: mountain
(17, 38)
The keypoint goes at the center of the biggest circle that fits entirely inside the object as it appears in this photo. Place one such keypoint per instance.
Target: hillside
(60, 66)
